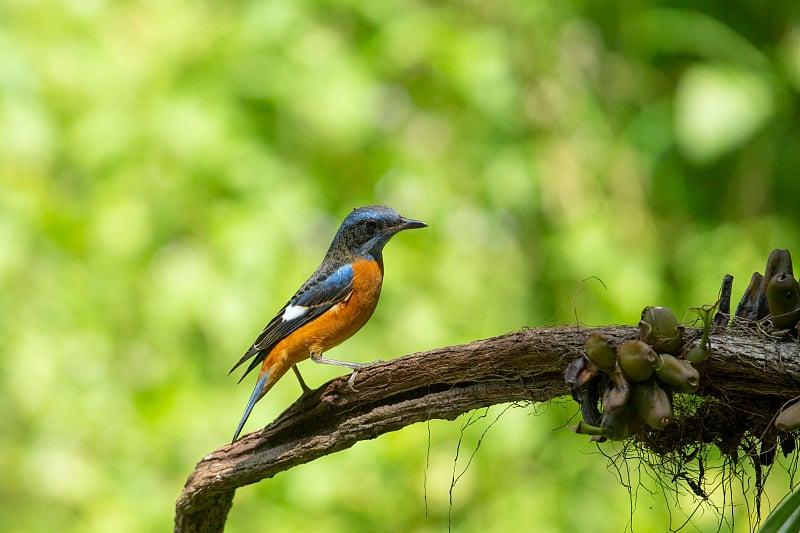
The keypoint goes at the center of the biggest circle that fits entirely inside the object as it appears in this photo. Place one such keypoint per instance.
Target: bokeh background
(171, 171)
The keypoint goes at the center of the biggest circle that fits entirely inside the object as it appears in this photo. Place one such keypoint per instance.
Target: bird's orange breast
(340, 322)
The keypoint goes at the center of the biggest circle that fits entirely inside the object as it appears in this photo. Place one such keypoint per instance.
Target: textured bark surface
(444, 383)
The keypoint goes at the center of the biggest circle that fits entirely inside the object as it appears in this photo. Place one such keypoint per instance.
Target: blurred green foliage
(171, 171)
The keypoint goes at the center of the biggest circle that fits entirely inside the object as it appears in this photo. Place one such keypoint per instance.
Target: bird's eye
(371, 225)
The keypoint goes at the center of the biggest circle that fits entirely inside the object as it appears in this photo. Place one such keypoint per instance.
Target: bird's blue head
(366, 230)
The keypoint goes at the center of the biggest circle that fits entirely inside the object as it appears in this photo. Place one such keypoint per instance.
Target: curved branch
(526, 365)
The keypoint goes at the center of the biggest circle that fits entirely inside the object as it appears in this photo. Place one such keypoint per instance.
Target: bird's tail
(265, 382)
(258, 392)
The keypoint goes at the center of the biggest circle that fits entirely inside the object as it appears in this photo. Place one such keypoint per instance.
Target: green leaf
(785, 518)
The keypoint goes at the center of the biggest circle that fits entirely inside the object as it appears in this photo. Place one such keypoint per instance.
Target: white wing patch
(293, 311)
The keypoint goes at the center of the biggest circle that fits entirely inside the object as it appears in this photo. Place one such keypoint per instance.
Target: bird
(331, 306)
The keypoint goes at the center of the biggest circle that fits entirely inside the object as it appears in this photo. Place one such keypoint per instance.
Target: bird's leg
(300, 379)
(316, 356)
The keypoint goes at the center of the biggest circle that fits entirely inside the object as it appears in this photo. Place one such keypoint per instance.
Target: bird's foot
(352, 380)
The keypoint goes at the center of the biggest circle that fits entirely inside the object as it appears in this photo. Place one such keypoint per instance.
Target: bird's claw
(352, 380)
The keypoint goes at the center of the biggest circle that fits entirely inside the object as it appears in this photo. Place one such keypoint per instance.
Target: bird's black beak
(410, 223)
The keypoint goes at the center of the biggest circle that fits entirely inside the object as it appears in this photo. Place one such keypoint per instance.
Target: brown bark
(444, 383)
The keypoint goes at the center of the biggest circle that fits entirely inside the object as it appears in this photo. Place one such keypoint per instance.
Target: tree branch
(444, 383)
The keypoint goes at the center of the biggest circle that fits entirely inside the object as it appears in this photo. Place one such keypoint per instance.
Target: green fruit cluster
(637, 378)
